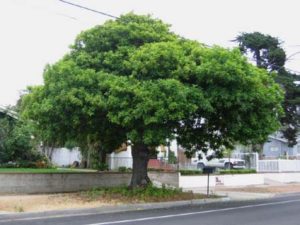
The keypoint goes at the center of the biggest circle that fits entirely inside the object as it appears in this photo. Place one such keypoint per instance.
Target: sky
(35, 33)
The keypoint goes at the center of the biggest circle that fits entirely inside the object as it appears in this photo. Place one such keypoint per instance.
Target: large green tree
(133, 79)
(268, 54)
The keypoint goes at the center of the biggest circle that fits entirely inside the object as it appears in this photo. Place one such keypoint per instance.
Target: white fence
(65, 157)
(115, 162)
(280, 165)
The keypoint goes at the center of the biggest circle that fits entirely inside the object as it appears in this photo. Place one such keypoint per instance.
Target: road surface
(283, 210)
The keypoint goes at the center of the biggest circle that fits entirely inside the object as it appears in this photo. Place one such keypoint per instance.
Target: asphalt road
(275, 211)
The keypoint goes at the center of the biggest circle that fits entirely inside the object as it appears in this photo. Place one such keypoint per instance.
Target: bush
(28, 164)
(190, 172)
(124, 169)
(136, 194)
(17, 142)
(155, 169)
(232, 171)
(237, 171)
(101, 167)
(172, 158)
(7, 165)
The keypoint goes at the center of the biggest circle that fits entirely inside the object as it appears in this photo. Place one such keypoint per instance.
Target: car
(223, 163)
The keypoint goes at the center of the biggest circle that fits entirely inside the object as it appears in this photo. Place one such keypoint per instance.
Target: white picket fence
(280, 165)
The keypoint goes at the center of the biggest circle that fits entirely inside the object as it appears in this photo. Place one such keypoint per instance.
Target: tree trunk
(102, 155)
(140, 156)
(258, 59)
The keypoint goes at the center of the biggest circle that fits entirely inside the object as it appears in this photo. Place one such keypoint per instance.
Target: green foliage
(172, 159)
(232, 171)
(190, 172)
(124, 169)
(17, 143)
(237, 171)
(155, 169)
(148, 194)
(266, 49)
(101, 167)
(38, 164)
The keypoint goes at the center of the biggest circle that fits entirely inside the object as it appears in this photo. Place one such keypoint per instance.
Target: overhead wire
(89, 9)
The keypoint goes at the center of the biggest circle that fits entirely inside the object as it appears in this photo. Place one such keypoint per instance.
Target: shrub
(102, 167)
(150, 192)
(155, 169)
(41, 164)
(190, 172)
(124, 169)
(237, 171)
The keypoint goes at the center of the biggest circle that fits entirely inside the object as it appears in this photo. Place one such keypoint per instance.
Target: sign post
(208, 170)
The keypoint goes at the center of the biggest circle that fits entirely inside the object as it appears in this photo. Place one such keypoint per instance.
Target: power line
(290, 56)
(89, 9)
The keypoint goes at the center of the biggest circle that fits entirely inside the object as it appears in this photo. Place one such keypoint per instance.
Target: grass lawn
(53, 170)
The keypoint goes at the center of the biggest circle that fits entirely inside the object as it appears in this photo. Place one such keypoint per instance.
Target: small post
(208, 184)
(257, 162)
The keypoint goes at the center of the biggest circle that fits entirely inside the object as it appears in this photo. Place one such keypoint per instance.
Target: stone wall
(57, 182)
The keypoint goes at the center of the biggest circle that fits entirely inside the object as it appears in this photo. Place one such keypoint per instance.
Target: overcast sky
(37, 32)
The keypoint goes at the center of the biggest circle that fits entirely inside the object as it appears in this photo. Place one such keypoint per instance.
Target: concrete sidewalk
(252, 192)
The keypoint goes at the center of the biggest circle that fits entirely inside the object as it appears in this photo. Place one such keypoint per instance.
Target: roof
(278, 139)
(9, 112)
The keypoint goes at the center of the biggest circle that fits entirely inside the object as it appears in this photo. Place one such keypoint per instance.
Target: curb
(240, 196)
(287, 194)
(107, 209)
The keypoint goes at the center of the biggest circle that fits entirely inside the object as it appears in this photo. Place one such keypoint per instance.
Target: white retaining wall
(196, 181)
(226, 180)
(239, 179)
(283, 177)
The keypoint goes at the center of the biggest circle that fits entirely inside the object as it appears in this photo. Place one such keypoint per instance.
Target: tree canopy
(269, 54)
(266, 50)
(133, 79)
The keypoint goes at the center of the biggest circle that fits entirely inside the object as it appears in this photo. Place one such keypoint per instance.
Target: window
(274, 149)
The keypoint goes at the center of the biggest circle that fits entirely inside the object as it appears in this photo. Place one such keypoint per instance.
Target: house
(277, 147)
